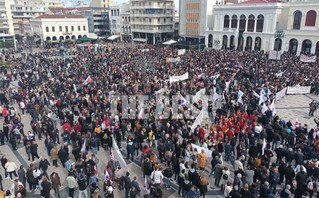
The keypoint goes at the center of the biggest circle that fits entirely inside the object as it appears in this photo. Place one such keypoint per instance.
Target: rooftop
(59, 16)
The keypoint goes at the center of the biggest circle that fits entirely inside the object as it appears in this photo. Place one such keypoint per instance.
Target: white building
(252, 25)
(59, 27)
(152, 21)
(6, 23)
(120, 21)
(23, 11)
(196, 16)
(53, 3)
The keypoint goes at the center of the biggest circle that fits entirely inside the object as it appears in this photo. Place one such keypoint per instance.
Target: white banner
(178, 78)
(198, 120)
(173, 60)
(308, 59)
(118, 156)
(281, 93)
(199, 95)
(274, 55)
(207, 152)
(181, 52)
(145, 50)
(298, 90)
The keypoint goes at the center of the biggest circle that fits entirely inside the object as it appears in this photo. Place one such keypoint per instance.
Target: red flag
(89, 46)
(75, 47)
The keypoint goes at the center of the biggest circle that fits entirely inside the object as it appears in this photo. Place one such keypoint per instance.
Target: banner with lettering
(173, 60)
(274, 55)
(308, 59)
(298, 90)
(178, 78)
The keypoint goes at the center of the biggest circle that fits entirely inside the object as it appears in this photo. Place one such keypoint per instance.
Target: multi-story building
(102, 3)
(59, 27)
(125, 16)
(23, 11)
(101, 21)
(195, 18)
(255, 24)
(53, 3)
(152, 21)
(120, 21)
(98, 17)
(6, 23)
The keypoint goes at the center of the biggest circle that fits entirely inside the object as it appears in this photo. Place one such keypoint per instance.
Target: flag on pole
(240, 97)
(83, 147)
(87, 80)
(89, 46)
(256, 94)
(263, 147)
(141, 114)
(107, 176)
(215, 96)
(264, 109)
(183, 100)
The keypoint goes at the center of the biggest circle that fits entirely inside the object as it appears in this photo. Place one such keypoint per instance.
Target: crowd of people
(252, 152)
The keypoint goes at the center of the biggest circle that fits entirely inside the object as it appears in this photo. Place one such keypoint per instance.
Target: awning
(170, 42)
(113, 37)
(140, 40)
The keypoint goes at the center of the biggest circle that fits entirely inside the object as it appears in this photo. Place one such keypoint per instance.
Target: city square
(159, 98)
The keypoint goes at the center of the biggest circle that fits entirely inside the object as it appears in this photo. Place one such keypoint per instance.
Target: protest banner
(178, 78)
(298, 89)
(181, 52)
(281, 93)
(308, 59)
(198, 120)
(274, 55)
(173, 60)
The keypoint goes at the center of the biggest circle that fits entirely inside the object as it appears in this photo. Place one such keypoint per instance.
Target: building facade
(98, 17)
(254, 25)
(23, 11)
(53, 3)
(101, 3)
(6, 22)
(152, 21)
(53, 28)
(195, 17)
(120, 21)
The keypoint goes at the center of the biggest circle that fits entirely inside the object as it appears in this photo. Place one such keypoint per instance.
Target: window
(47, 29)
(67, 28)
(60, 28)
(83, 27)
(234, 21)
(79, 28)
(72, 28)
(226, 21)
(311, 18)
(297, 20)
(260, 23)
(53, 29)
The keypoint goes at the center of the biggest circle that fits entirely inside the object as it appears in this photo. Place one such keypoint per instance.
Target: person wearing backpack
(168, 173)
(203, 185)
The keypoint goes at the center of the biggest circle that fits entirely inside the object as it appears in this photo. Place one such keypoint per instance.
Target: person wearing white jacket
(157, 176)
(11, 168)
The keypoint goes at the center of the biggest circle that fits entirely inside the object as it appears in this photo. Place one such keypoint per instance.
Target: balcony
(153, 30)
(152, 15)
(151, 23)
(152, 7)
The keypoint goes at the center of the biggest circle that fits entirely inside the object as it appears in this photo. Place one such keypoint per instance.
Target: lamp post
(279, 34)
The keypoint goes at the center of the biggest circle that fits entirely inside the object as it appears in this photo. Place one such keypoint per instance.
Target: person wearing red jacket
(201, 134)
(77, 128)
(5, 114)
(66, 127)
